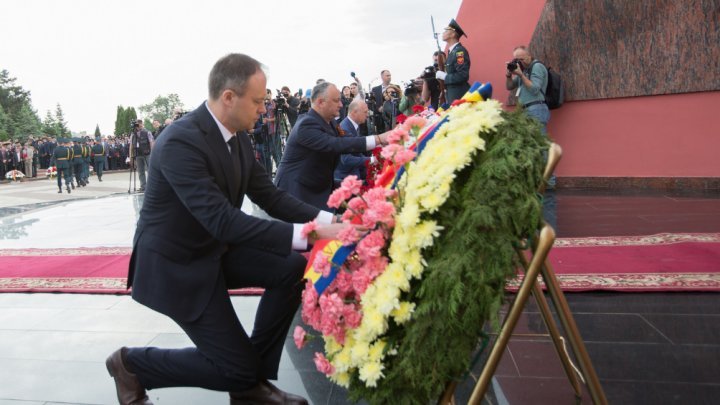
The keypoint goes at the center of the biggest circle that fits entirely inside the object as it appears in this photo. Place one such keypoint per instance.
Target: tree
(97, 132)
(49, 126)
(4, 136)
(21, 119)
(162, 107)
(60, 123)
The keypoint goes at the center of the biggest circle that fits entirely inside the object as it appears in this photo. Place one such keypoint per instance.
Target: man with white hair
(353, 163)
(314, 147)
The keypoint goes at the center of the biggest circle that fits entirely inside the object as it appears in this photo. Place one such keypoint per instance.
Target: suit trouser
(225, 358)
(142, 168)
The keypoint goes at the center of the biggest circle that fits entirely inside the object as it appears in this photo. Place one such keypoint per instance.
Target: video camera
(370, 101)
(411, 89)
(280, 101)
(429, 72)
(134, 124)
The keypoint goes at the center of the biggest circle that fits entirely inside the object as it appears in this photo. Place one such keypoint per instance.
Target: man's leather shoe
(265, 393)
(129, 390)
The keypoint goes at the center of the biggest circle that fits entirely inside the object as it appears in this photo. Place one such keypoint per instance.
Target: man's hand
(331, 231)
(440, 75)
(382, 138)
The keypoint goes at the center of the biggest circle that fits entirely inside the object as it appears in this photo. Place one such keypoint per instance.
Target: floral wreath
(362, 290)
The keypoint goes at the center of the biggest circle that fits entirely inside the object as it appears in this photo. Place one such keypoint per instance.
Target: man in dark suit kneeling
(193, 243)
(353, 163)
(314, 148)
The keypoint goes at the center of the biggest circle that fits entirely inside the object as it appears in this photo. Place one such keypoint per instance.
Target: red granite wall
(674, 135)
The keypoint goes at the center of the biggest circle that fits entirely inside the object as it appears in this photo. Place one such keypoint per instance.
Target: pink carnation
(398, 135)
(352, 316)
(403, 157)
(323, 365)
(371, 245)
(299, 337)
(322, 265)
(343, 283)
(308, 229)
(389, 151)
(338, 197)
(351, 184)
(361, 280)
(415, 122)
(348, 236)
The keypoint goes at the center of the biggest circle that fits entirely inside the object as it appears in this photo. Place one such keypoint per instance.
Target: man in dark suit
(353, 163)
(193, 243)
(457, 67)
(378, 94)
(314, 148)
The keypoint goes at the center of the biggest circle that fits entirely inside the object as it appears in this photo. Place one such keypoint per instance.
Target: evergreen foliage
(97, 134)
(60, 125)
(493, 204)
(19, 119)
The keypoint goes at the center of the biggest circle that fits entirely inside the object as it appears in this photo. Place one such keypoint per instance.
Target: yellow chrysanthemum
(371, 373)
(404, 312)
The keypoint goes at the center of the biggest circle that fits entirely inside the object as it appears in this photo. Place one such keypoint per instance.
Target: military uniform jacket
(77, 151)
(457, 68)
(98, 152)
(61, 157)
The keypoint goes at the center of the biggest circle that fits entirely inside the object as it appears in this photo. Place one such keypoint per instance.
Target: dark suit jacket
(350, 163)
(311, 154)
(191, 216)
(378, 95)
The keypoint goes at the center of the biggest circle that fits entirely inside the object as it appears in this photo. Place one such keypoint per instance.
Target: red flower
(417, 109)
(400, 118)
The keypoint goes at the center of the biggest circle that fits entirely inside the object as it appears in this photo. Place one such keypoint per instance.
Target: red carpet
(81, 270)
(664, 262)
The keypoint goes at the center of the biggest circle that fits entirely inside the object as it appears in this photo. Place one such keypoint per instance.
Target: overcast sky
(91, 56)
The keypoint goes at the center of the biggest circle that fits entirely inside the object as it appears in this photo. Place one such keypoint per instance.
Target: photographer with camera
(529, 77)
(391, 106)
(287, 104)
(141, 142)
(411, 98)
(378, 92)
(457, 67)
(430, 92)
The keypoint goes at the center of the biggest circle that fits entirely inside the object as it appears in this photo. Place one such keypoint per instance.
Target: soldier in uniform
(98, 153)
(87, 157)
(78, 161)
(62, 155)
(457, 67)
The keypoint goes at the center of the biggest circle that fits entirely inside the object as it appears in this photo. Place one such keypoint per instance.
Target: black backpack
(555, 92)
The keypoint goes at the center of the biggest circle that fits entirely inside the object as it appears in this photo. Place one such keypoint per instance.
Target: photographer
(141, 142)
(288, 104)
(345, 98)
(431, 86)
(529, 78)
(390, 106)
(411, 98)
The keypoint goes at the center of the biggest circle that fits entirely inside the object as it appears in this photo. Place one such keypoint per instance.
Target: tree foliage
(161, 108)
(18, 119)
(98, 134)
(123, 117)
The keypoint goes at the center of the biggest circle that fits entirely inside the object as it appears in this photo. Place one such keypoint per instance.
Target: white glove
(440, 75)
(373, 160)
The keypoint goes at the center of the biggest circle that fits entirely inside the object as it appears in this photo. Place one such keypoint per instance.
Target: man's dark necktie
(235, 156)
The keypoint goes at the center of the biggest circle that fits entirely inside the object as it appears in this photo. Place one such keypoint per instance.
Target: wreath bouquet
(400, 308)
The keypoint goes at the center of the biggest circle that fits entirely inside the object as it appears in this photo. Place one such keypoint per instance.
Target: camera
(513, 64)
(280, 101)
(429, 73)
(370, 101)
(411, 89)
(134, 124)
